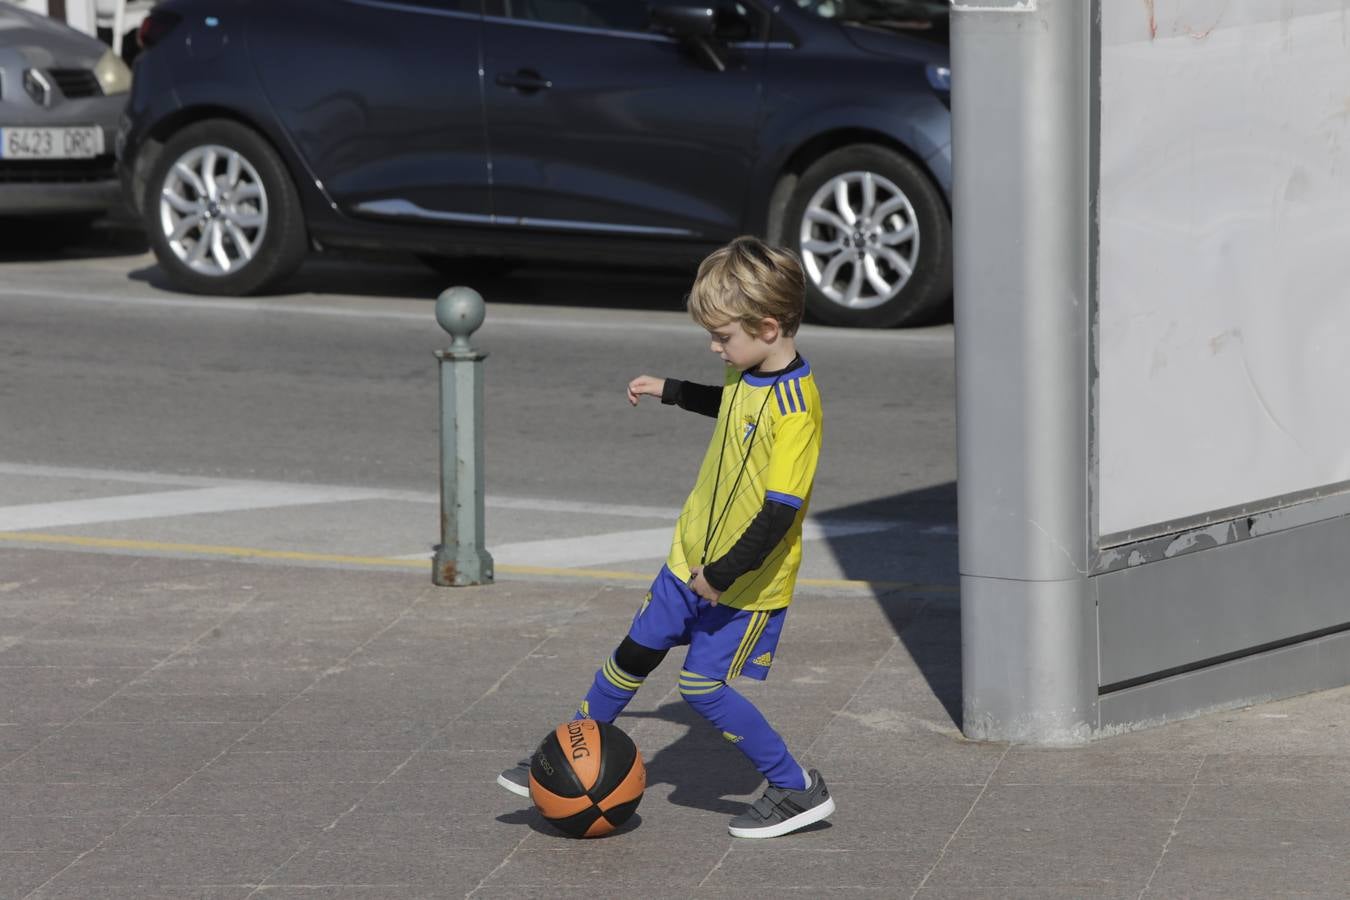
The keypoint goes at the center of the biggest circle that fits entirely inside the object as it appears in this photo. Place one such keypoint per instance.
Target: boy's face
(738, 347)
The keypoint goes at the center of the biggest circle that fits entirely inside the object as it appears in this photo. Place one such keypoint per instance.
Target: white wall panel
(1224, 267)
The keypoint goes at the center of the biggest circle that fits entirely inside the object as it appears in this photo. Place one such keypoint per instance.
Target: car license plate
(78, 142)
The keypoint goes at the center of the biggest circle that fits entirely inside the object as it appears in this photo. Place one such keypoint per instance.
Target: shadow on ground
(594, 286)
(56, 238)
(701, 766)
(928, 623)
(607, 285)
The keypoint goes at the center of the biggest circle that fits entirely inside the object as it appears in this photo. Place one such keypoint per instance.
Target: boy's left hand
(699, 585)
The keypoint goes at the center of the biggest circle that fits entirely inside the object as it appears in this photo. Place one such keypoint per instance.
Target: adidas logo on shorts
(764, 659)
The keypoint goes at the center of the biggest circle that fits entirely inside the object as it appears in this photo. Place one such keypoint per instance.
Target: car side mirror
(694, 26)
(685, 22)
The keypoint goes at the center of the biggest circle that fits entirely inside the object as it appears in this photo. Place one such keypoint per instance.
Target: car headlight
(940, 77)
(113, 74)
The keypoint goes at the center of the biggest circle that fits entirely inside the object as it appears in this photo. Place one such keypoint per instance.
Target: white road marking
(533, 504)
(202, 495)
(538, 504)
(616, 546)
(163, 504)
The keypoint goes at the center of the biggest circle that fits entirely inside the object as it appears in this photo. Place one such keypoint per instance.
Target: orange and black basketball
(587, 778)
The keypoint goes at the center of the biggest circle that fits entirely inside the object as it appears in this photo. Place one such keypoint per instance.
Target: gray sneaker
(781, 812)
(516, 779)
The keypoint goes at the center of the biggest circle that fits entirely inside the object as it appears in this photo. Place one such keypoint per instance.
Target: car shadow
(523, 283)
(56, 238)
(918, 590)
(375, 273)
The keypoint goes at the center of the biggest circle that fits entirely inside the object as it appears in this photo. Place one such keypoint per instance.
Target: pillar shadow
(914, 571)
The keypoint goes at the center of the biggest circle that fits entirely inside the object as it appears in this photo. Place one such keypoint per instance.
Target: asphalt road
(113, 386)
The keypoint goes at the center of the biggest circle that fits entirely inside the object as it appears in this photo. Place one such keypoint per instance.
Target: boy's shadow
(701, 765)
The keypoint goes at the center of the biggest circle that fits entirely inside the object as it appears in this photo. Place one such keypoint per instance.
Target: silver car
(61, 95)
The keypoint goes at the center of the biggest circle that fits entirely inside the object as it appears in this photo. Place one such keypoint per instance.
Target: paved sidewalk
(185, 728)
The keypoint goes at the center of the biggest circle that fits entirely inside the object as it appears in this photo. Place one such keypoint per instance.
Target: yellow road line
(27, 537)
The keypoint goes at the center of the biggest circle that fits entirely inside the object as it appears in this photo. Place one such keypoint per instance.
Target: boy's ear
(769, 329)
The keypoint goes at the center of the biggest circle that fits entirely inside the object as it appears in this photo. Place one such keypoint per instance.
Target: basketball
(587, 778)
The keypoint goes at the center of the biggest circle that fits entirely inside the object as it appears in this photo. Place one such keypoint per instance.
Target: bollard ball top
(460, 311)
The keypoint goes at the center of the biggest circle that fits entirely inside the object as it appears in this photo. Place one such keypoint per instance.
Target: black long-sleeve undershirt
(764, 532)
(703, 399)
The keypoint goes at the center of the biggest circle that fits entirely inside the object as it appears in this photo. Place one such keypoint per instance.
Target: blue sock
(745, 726)
(609, 694)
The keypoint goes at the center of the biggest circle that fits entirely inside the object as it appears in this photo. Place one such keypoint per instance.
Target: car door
(598, 125)
(383, 99)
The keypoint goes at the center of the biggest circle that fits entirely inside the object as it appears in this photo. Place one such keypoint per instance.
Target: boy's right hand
(645, 384)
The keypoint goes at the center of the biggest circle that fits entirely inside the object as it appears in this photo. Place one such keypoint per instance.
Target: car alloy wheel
(859, 239)
(213, 210)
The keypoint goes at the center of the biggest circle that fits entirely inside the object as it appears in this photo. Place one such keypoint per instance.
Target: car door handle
(526, 81)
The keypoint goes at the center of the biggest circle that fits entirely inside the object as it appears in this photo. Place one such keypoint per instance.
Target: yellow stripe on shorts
(758, 620)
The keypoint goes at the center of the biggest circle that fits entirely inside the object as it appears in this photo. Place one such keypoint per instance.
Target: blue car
(472, 131)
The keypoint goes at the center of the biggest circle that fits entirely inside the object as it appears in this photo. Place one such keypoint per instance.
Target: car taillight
(155, 26)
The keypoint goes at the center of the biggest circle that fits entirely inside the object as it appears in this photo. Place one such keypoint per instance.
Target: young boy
(725, 589)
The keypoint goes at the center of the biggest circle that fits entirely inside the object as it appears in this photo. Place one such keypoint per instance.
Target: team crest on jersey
(749, 428)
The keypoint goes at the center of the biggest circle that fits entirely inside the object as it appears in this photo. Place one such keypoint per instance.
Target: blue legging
(745, 726)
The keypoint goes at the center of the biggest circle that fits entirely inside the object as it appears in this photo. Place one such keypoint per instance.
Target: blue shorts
(724, 642)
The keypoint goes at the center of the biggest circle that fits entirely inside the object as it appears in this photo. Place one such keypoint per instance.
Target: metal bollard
(460, 558)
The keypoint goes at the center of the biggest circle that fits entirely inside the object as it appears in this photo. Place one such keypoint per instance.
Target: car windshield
(908, 15)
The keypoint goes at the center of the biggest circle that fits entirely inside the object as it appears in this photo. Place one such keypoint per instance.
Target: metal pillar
(460, 558)
(1021, 125)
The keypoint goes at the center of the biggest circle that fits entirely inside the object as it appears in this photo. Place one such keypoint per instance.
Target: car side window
(461, 6)
(615, 15)
(736, 21)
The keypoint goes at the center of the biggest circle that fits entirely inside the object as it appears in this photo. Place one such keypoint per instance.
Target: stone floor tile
(109, 753)
(146, 708)
(1096, 764)
(452, 872)
(1267, 768)
(316, 803)
(240, 766)
(74, 834)
(802, 866)
(1270, 855)
(202, 850)
(1301, 802)
(64, 888)
(24, 871)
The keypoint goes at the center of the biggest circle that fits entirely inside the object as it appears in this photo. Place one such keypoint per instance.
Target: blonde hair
(748, 281)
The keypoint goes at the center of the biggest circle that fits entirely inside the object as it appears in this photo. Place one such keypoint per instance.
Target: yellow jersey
(765, 446)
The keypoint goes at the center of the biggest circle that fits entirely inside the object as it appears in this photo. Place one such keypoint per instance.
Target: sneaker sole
(797, 822)
(512, 786)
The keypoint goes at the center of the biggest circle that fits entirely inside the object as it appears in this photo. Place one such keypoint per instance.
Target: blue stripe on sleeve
(778, 393)
(785, 499)
(801, 401)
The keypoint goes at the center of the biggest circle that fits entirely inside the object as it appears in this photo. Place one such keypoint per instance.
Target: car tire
(890, 263)
(221, 211)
